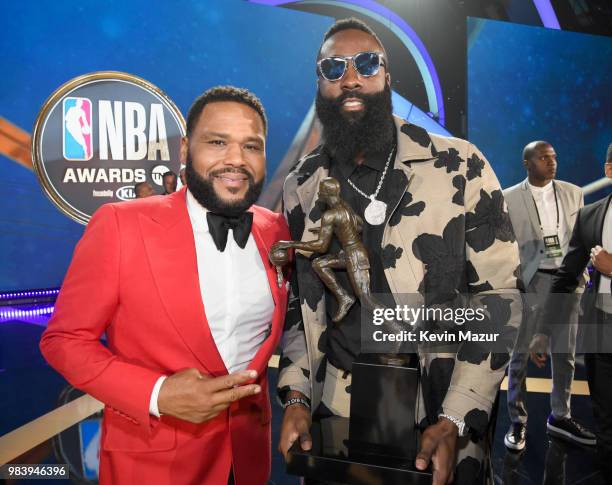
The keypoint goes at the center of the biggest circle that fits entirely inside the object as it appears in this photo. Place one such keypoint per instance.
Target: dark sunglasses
(365, 63)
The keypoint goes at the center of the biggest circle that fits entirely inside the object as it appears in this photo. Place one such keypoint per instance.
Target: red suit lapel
(170, 248)
(265, 234)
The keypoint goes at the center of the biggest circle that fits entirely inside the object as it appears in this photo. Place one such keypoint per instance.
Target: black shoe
(570, 430)
(516, 437)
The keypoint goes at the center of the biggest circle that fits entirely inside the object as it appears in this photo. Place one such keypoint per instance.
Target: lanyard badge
(552, 243)
(552, 246)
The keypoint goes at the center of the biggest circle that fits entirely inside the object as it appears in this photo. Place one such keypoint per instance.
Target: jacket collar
(172, 209)
(603, 205)
(413, 142)
(531, 208)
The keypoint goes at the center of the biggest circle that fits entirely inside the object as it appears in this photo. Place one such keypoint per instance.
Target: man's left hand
(438, 446)
(602, 260)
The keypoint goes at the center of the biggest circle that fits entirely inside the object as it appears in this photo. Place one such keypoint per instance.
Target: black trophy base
(330, 460)
(384, 390)
(378, 444)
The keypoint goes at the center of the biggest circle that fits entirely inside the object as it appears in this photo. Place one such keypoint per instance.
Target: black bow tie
(218, 225)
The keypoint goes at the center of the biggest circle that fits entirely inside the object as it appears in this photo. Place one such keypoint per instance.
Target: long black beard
(204, 191)
(370, 132)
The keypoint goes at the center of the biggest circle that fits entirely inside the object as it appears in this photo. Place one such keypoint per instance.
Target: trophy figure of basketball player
(341, 221)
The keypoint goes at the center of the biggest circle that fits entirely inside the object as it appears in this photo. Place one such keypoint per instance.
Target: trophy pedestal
(379, 442)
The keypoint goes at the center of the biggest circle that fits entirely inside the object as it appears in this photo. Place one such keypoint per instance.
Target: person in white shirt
(192, 309)
(543, 212)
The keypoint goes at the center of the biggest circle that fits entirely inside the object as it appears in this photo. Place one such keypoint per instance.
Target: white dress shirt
(236, 295)
(544, 198)
(604, 302)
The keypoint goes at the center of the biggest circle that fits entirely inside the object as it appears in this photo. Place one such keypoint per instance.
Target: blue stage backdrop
(183, 47)
(531, 83)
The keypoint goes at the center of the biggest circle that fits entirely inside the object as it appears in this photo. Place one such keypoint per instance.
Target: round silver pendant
(375, 212)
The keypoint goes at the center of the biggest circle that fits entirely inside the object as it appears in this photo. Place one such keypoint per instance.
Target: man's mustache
(340, 99)
(239, 170)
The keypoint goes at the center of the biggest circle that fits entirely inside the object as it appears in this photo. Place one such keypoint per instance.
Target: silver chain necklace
(376, 210)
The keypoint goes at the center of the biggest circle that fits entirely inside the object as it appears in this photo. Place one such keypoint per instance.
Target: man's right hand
(602, 260)
(196, 398)
(538, 349)
(296, 425)
(281, 245)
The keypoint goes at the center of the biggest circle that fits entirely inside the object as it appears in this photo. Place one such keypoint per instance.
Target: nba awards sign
(99, 135)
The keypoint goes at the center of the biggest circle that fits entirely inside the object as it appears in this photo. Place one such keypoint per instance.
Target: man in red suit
(191, 308)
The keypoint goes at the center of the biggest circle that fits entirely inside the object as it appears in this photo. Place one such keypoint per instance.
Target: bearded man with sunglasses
(435, 223)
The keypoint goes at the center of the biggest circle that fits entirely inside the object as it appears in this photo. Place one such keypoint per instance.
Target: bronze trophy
(379, 441)
(341, 221)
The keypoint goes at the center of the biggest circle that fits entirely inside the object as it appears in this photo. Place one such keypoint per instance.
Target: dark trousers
(599, 375)
(562, 363)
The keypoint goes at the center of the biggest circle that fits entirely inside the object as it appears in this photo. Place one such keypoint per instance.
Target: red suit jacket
(134, 276)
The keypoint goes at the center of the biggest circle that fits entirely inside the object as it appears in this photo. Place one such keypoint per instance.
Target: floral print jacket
(448, 232)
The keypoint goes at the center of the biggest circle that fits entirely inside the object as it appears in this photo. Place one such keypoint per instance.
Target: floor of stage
(543, 459)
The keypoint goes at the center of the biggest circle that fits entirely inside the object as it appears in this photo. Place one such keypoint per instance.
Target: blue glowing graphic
(532, 83)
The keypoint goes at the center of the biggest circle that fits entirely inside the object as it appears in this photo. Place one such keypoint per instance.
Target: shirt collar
(197, 213)
(540, 190)
(375, 163)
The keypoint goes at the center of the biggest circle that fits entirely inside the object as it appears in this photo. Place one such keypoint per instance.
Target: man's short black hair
(352, 23)
(609, 154)
(168, 174)
(530, 149)
(225, 93)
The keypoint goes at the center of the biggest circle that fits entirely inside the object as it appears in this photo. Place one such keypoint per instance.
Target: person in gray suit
(543, 211)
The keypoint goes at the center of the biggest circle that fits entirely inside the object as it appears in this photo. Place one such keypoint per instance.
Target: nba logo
(78, 143)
